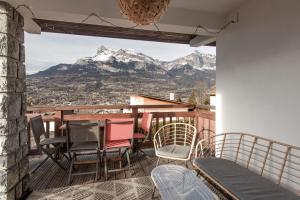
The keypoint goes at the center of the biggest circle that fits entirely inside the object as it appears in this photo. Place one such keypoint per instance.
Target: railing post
(200, 127)
(135, 112)
(283, 165)
(266, 157)
(251, 151)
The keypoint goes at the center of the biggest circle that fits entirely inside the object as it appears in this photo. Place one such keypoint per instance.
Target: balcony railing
(203, 120)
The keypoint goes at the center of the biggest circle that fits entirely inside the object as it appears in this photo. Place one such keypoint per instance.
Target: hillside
(110, 76)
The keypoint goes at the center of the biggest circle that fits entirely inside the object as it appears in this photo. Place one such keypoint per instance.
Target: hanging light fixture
(143, 12)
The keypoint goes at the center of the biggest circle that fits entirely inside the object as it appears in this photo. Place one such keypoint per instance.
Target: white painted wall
(258, 71)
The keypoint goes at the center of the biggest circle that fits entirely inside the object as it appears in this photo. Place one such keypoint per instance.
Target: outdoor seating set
(84, 139)
(242, 166)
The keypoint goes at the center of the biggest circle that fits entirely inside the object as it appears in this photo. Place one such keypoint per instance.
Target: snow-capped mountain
(110, 76)
(196, 60)
(108, 61)
(122, 60)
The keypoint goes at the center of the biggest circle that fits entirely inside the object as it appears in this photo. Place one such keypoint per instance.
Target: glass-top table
(177, 182)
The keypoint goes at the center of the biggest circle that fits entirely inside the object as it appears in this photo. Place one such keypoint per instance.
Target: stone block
(7, 25)
(23, 137)
(9, 144)
(21, 71)
(10, 105)
(23, 104)
(9, 46)
(9, 178)
(7, 161)
(8, 127)
(22, 123)
(25, 150)
(20, 85)
(19, 190)
(5, 8)
(10, 195)
(9, 67)
(7, 84)
(24, 167)
(18, 155)
(21, 53)
(25, 183)
(20, 34)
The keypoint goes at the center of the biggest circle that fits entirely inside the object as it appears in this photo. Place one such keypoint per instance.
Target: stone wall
(13, 139)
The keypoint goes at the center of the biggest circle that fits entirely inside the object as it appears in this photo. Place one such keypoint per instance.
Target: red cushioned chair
(117, 137)
(143, 132)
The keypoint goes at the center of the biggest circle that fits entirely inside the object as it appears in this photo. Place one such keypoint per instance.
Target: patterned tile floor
(126, 189)
(50, 182)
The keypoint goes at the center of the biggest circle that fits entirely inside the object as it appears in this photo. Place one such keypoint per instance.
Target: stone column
(13, 149)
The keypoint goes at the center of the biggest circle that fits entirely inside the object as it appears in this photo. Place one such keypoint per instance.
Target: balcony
(50, 178)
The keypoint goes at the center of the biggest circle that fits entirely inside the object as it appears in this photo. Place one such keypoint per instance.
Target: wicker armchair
(175, 141)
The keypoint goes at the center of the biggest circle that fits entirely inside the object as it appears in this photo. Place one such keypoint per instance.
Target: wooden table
(180, 183)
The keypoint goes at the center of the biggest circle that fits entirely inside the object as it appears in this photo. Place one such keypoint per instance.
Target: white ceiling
(182, 16)
(213, 6)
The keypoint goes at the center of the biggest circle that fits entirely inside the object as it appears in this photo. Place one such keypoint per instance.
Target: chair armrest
(199, 146)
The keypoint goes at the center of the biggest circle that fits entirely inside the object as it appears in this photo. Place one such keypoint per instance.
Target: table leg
(153, 192)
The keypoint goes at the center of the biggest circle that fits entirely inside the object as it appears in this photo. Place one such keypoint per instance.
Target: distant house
(140, 99)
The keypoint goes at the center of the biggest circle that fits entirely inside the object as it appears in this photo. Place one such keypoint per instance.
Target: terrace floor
(50, 181)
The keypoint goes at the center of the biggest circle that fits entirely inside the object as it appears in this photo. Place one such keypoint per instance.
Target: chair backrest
(38, 129)
(146, 122)
(119, 129)
(84, 131)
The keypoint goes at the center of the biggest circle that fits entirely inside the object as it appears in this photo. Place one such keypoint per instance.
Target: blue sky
(48, 49)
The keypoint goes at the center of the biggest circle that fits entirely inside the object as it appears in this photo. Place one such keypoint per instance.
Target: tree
(192, 99)
(179, 100)
(207, 101)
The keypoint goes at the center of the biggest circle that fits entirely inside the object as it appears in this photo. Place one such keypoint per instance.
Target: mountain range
(110, 68)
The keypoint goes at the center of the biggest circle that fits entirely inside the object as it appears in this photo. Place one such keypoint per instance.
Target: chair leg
(70, 171)
(54, 160)
(128, 160)
(54, 153)
(97, 165)
(153, 193)
(157, 162)
(105, 165)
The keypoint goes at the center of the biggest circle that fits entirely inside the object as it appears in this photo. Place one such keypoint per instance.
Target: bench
(249, 167)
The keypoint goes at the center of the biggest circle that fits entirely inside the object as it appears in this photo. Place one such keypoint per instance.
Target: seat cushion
(57, 140)
(242, 182)
(84, 146)
(117, 144)
(174, 151)
(138, 136)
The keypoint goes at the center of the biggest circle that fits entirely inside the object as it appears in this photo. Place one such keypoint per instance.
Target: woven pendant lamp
(143, 12)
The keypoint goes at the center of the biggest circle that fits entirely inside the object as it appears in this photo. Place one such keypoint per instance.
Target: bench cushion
(174, 151)
(242, 182)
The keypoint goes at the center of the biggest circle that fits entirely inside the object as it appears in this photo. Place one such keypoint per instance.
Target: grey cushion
(176, 151)
(84, 146)
(242, 182)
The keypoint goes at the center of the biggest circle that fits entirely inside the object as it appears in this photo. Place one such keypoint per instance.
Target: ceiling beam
(112, 32)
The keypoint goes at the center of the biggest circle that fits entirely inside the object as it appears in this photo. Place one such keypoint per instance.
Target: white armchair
(175, 141)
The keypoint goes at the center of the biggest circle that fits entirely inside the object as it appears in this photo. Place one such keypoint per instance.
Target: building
(140, 99)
